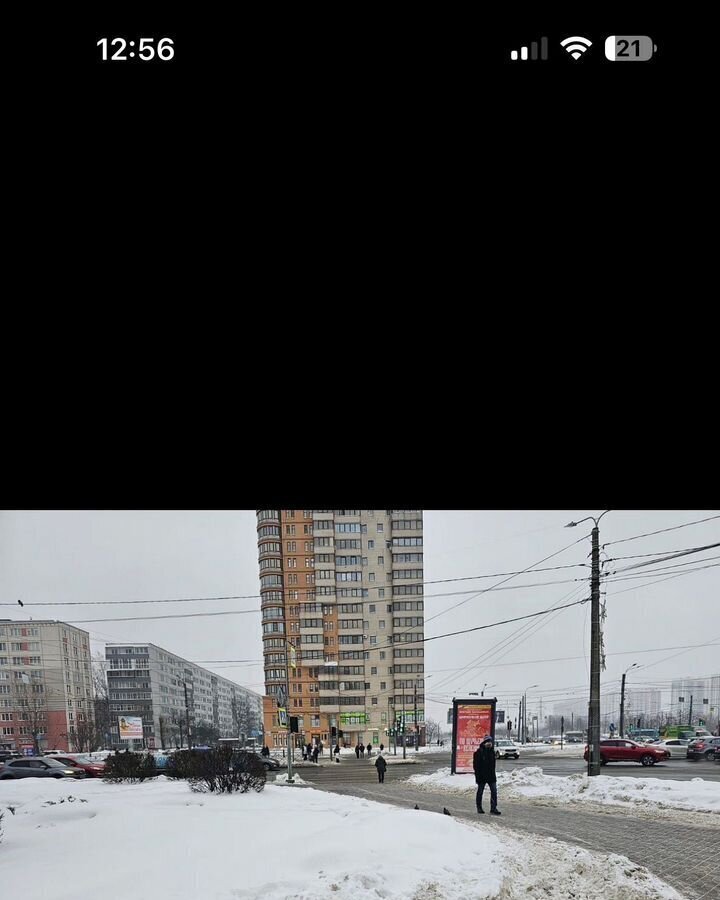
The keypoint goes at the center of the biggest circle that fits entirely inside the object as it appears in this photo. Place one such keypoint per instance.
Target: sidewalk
(684, 857)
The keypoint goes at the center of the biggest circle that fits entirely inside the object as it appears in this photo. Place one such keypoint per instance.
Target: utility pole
(187, 717)
(594, 705)
(403, 723)
(691, 699)
(417, 728)
(594, 729)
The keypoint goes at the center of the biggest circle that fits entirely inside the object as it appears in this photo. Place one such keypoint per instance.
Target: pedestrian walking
(357, 751)
(381, 765)
(320, 745)
(337, 752)
(316, 750)
(368, 748)
(484, 767)
(382, 747)
(361, 750)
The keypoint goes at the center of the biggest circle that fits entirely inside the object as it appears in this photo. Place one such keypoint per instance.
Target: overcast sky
(61, 557)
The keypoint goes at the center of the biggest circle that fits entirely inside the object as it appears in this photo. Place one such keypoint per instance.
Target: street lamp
(524, 715)
(594, 706)
(622, 699)
(482, 692)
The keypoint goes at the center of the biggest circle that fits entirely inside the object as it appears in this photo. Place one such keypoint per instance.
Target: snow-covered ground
(530, 782)
(160, 840)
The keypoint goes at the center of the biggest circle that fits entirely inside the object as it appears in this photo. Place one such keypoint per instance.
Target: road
(685, 855)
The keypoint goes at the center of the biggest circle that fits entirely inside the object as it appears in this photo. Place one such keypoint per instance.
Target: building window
(373, 670)
(382, 623)
(380, 527)
(371, 576)
(371, 545)
(374, 701)
(381, 593)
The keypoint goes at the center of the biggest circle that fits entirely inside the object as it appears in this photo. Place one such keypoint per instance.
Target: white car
(675, 746)
(506, 749)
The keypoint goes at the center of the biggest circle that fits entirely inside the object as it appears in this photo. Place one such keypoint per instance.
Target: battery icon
(629, 47)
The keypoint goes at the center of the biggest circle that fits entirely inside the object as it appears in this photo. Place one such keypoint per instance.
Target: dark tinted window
(20, 764)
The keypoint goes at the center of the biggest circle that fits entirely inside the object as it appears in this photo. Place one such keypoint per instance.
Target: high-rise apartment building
(342, 621)
(153, 684)
(45, 686)
(705, 695)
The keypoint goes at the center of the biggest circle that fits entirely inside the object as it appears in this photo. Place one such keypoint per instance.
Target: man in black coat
(484, 766)
(381, 765)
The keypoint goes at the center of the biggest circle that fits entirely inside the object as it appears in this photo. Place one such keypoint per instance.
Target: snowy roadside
(647, 794)
(283, 845)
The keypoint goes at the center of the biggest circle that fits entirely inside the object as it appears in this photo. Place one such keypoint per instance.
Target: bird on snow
(416, 806)
(446, 811)
(21, 603)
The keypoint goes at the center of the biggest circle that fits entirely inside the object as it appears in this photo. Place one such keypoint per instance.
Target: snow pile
(282, 778)
(162, 841)
(530, 782)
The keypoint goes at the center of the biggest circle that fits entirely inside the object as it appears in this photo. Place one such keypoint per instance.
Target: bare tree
(32, 702)
(101, 719)
(83, 735)
(166, 731)
(432, 731)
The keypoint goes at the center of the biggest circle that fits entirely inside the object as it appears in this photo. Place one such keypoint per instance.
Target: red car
(92, 767)
(623, 750)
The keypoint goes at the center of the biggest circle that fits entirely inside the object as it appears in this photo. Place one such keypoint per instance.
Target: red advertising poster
(474, 721)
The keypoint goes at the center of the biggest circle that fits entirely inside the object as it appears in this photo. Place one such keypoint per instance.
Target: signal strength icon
(522, 53)
(576, 46)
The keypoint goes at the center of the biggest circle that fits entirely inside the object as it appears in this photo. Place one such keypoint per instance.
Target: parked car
(676, 746)
(5, 755)
(629, 751)
(38, 767)
(92, 768)
(506, 750)
(703, 748)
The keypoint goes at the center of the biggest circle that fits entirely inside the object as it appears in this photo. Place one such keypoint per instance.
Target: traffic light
(293, 724)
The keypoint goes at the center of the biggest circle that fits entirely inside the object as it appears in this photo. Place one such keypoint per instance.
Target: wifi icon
(576, 46)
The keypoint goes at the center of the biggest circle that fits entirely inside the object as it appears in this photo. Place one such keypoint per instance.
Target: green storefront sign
(353, 718)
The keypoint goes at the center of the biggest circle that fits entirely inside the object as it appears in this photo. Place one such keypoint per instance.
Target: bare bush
(130, 767)
(219, 771)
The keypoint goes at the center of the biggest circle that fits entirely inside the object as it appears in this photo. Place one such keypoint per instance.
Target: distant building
(148, 682)
(705, 693)
(45, 686)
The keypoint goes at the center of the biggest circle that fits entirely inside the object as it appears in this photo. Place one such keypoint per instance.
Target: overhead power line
(636, 537)
(310, 590)
(653, 562)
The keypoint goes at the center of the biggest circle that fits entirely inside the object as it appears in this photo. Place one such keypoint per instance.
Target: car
(623, 750)
(506, 749)
(92, 768)
(703, 748)
(676, 746)
(38, 767)
(5, 755)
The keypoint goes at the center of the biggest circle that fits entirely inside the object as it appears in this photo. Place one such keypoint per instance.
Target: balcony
(329, 707)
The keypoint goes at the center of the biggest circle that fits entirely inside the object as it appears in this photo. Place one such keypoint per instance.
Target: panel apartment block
(147, 681)
(45, 686)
